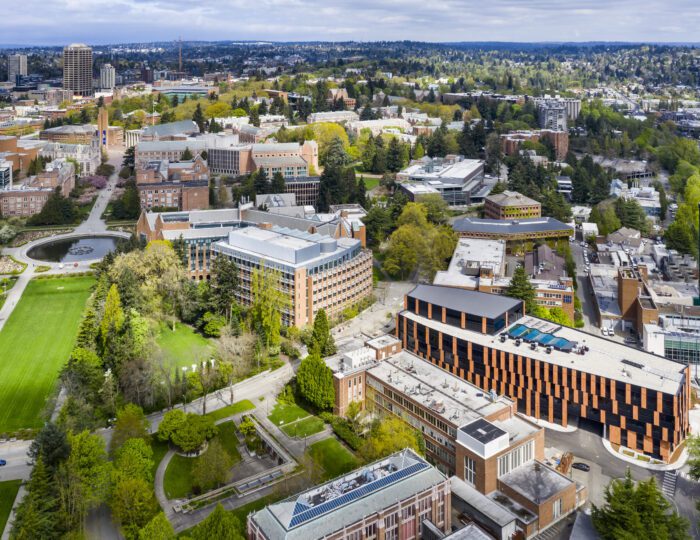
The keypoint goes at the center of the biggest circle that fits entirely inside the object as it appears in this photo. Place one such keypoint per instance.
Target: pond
(71, 250)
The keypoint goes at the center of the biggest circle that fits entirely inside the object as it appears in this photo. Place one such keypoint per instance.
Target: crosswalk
(668, 486)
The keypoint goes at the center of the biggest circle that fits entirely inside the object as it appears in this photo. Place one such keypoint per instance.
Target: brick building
(517, 230)
(630, 397)
(70, 134)
(181, 185)
(28, 198)
(512, 142)
(387, 499)
(18, 152)
(511, 205)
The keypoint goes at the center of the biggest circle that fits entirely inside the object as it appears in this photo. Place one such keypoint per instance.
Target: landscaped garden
(332, 457)
(35, 343)
(305, 427)
(286, 413)
(236, 408)
(180, 476)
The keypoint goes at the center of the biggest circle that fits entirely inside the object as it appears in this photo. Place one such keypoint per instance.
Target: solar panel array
(328, 506)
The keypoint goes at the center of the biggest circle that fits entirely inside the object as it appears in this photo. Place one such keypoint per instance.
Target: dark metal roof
(506, 227)
(472, 302)
(482, 430)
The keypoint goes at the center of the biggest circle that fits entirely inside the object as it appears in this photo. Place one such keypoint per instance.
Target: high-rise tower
(77, 69)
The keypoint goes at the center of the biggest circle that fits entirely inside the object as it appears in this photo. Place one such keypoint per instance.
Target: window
(556, 508)
(515, 458)
(469, 470)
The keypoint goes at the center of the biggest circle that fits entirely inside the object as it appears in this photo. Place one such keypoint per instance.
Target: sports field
(34, 344)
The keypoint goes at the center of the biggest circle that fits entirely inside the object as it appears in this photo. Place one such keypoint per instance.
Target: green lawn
(238, 407)
(184, 346)
(284, 414)
(8, 492)
(332, 457)
(304, 428)
(160, 448)
(35, 343)
(371, 183)
(178, 476)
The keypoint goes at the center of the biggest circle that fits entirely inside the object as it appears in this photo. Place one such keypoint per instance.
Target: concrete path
(92, 225)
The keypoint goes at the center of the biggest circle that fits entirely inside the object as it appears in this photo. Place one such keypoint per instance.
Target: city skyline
(127, 21)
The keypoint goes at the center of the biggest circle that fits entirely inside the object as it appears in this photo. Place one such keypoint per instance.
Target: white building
(107, 77)
(16, 65)
(88, 156)
(333, 116)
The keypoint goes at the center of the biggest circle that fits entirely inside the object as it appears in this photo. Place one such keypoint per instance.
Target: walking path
(94, 224)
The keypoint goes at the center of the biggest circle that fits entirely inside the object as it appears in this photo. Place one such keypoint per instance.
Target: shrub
(341, 427)
(290, 350)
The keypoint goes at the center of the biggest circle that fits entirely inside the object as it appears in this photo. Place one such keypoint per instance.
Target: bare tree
(235, 355)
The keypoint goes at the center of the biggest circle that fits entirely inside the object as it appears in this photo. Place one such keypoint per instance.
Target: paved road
(15, 453)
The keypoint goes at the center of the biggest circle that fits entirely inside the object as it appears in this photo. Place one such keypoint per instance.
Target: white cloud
(110, 21)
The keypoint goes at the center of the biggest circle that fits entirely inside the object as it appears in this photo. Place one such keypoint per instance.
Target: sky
(58, 22)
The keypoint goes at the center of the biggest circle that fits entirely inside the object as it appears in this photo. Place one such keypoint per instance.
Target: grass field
(304, 428)
(8, 492)
(160, 448)
(332, 457)
(35, 343)
(178, 476)
(237, 407)
(285, 413)
(371, 183)
(184, 346)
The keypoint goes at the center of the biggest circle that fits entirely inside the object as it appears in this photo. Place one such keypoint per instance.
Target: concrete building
(512, 231)
(108, 77)
(480, 265)
(317, 271)
(305, 189)
(5, 174)
(458, 180)
(632, 398)
(512, 142)
(171, 150)
(511, 205)
(647, 197)
(180, 186)
(333, 116)
(29, 197)
(340, 94)
(77, 69)
(201, 229)
(290, 159)
(552, 114)
(625, 169)
(387, 499)
(16, 65)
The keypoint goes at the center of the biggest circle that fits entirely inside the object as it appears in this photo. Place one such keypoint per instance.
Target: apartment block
(630, 397)
(16, 65)
(511, 205)
(77, 69)
(388, 499)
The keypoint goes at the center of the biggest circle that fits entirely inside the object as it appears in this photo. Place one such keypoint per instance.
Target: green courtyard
(183, 346)
(332, 457)
(35, 343)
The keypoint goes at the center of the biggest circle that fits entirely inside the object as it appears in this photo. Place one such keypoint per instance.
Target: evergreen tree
(394, 159)
(50, 446)
(277, 185)
(39, 515)
(224, 284)
(368, 153)
(187, 155)
(321, 337)
(254, 117)
(159, 528)
(260, 182)
(521, 288)
(220, 524)
(379, 163)
(418, 151)
(198, 118)
(87, 333)
(315, 381)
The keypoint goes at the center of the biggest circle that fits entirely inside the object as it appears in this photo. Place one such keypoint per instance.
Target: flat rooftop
(482, 431)
(446, 395)
(511, 198)
(604, 357)
(508, 227)
(472, 302)
(330, 507)
(536, 482)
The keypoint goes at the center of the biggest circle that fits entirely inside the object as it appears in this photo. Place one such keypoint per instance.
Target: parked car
(581, 467)
(3, 462)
